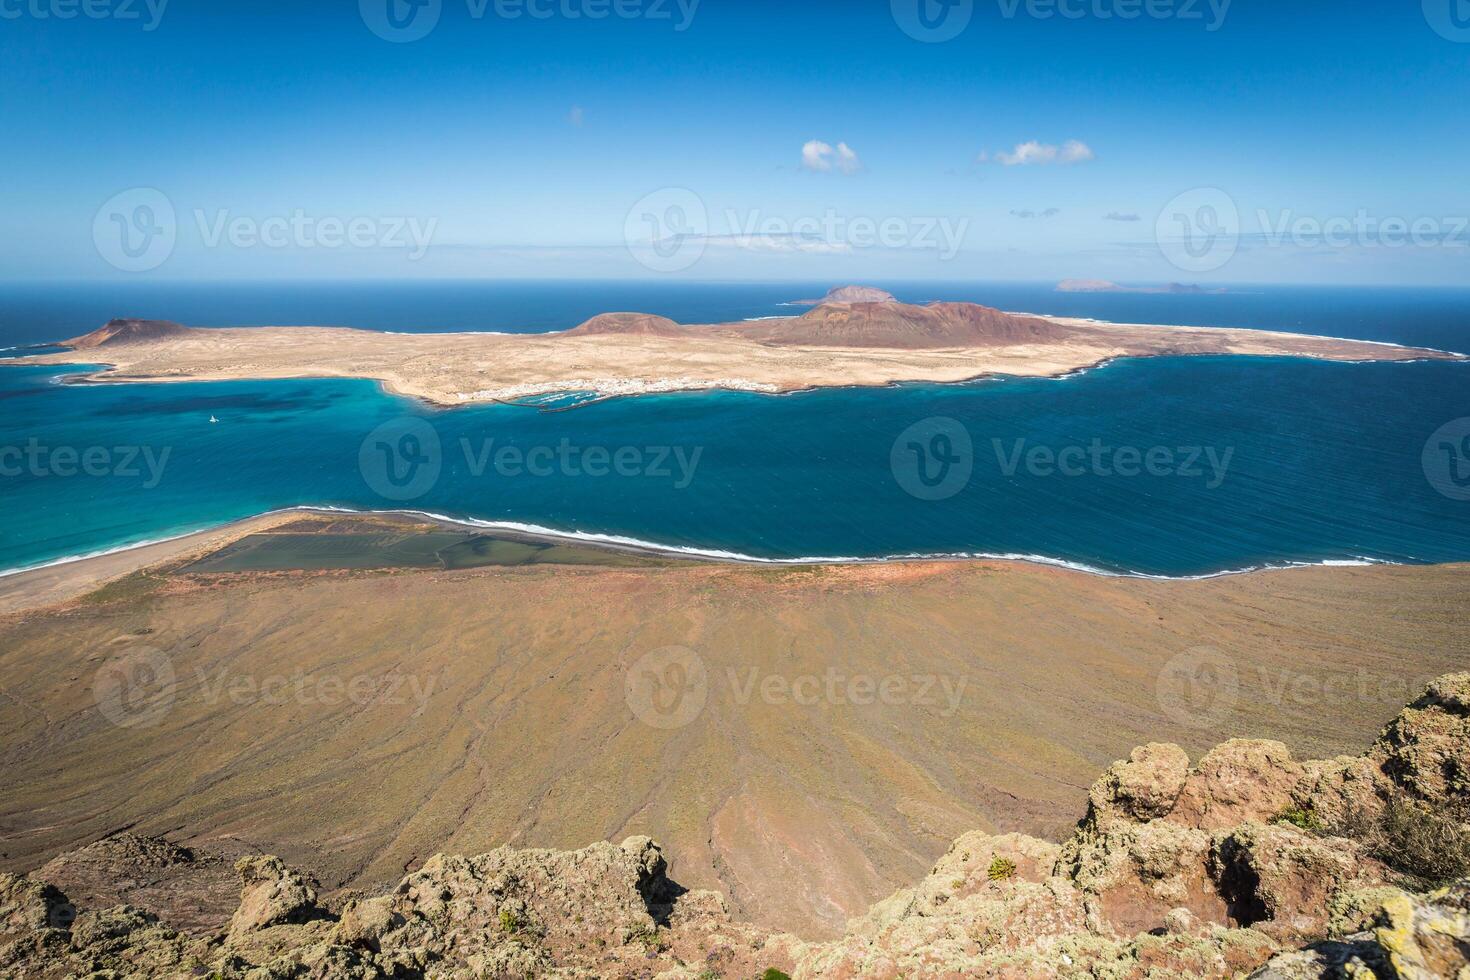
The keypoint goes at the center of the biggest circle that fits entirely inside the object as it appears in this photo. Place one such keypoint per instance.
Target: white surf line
(714, 554)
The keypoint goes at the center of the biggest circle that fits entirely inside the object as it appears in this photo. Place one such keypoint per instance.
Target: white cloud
(824, 158)
(1035, 153)
(1076, 151)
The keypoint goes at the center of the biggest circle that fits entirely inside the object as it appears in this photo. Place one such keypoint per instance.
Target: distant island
(1104, 286)
(849, 294)
(835, 344)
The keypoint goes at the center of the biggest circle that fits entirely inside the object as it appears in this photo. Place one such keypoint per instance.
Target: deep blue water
(1257, 460)
(35, 313)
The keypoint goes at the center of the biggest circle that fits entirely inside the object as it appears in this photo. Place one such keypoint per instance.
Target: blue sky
(502, 146)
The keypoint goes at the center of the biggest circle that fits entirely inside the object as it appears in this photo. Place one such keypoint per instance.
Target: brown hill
(637, 324)
(850, 294)
(906, 327)
(124, 331)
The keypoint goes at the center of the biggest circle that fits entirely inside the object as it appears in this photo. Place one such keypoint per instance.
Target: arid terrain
(834, 344)
(805, 740)
(1246, 862)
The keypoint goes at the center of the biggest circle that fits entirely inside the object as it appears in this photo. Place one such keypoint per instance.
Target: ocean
(1166, 466)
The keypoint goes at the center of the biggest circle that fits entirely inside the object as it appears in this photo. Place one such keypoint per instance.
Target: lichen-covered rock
(194, 895)
(1426, 749)
(26, 906)
(1143, 788)
(1413, 937)
(976, 863)
(1134, 875)
(1241, 780)
(1427, 937)
(1283, 880)
(271, 894)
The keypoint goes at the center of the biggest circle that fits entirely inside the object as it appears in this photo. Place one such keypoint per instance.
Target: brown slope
(632, 324)
(900, 325)
(127, 331)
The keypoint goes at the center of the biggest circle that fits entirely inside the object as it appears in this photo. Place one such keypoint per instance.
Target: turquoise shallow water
(1321, 462)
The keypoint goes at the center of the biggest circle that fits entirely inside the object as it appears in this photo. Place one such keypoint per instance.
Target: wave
(715, 554)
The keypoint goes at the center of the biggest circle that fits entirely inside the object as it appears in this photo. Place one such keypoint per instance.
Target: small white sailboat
(212, 419)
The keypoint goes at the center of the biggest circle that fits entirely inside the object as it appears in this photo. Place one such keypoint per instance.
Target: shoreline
(63, 579)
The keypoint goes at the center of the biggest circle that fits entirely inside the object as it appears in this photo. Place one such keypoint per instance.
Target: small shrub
(774, 974)
(1416, 840)
(651, 938)
(510, 923)
(1303, 818)
(1001, 869)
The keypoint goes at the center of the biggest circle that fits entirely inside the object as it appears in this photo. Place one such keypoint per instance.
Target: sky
(1136, 141)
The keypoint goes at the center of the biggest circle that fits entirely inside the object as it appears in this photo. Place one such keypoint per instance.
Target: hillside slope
(1247, 861)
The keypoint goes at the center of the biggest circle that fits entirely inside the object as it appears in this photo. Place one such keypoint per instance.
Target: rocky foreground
(1249, 863)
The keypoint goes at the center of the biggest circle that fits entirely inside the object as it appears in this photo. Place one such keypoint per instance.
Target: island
(835, 344)
(1104, 286)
